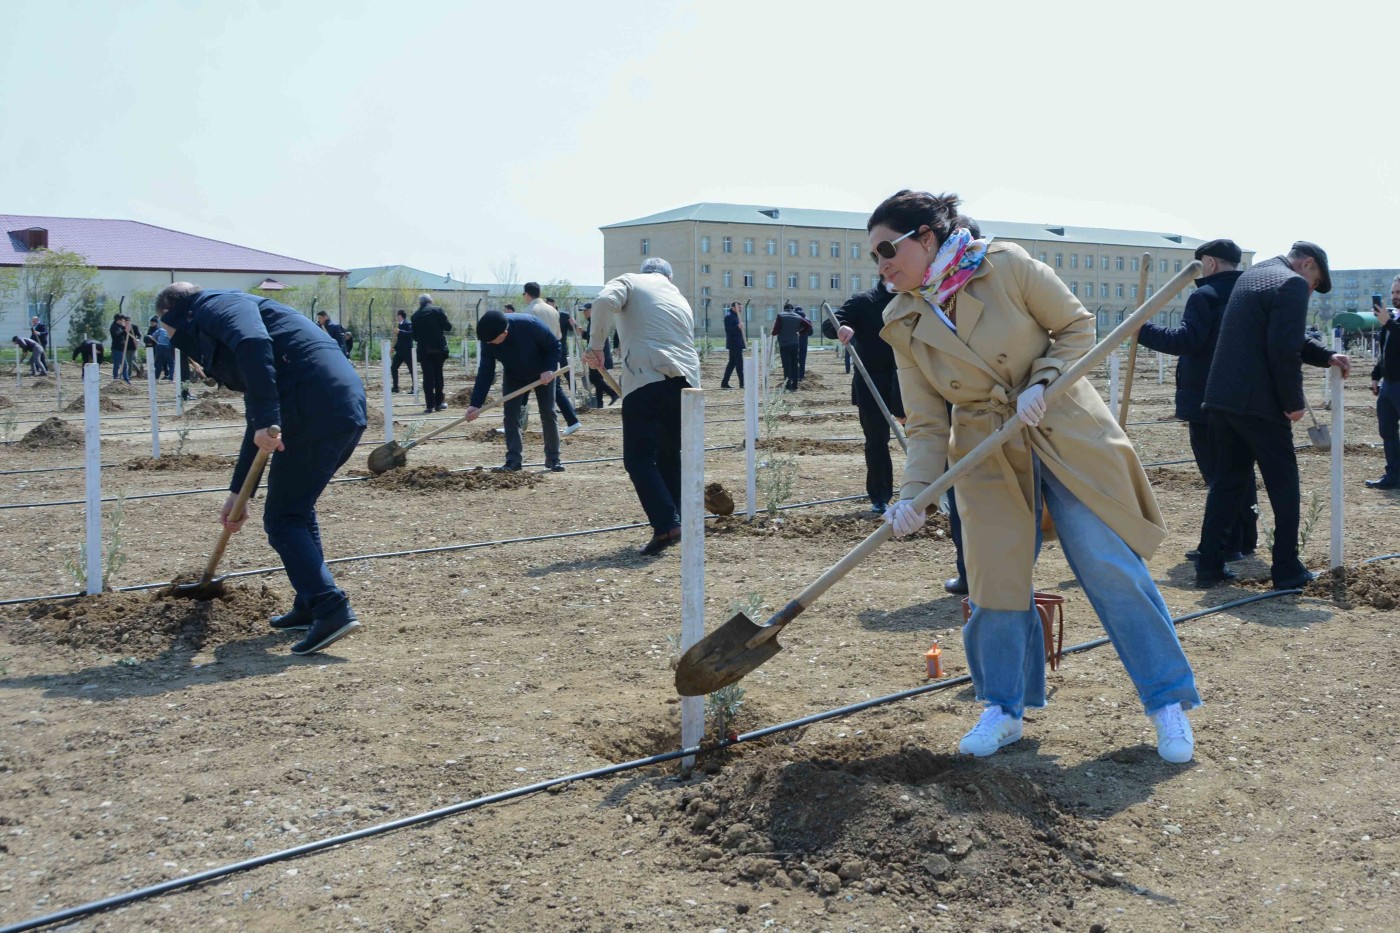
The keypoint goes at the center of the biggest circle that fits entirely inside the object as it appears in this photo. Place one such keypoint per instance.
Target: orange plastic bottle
(934, 659)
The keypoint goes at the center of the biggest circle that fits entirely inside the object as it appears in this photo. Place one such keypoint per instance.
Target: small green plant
(183, 433)
(673, 651)
(722, 707)
(9, 424)
(776, 478)
(113, 557)
(1305, 526)
(750, 605)
(409, 431)
(774, 408)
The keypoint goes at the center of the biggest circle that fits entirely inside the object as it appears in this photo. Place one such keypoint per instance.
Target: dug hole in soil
(52, 434)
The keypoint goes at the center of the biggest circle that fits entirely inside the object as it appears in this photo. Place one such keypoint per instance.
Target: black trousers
(1244, 532)
(651, 449)
(600, 386)
(431, 362)
(879, 470)
(401, 358)
(1240, 441)
(735, 365)
(789, 357)
(802, 358)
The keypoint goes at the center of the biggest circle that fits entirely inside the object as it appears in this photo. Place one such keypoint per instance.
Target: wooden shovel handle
(608, 378)
(1144, 268)
(965, 464)
(870, 384)
(485, 405)
(240, 505)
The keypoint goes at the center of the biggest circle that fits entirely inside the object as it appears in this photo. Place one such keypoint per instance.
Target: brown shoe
(660, 542)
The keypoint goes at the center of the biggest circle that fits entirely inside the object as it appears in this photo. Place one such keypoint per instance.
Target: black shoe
(877, 508)
(395, 390)
(334, 620)
(1385, 482)
(1193, 554)
(1233, 556)
(955, 585)
(1297, 583)
(1205, 581)
(725, 385)
(297, 620)
(557, 468)
(660, 542)
(442, 407)
(505, 468)
(429, 410)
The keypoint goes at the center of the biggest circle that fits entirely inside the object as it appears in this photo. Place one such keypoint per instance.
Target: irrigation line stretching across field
(464, 806)
(440, 549)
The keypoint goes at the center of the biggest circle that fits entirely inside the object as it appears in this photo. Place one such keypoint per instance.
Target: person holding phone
(1385, 386)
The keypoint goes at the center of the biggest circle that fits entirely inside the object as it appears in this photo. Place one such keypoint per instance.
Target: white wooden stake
(58, 376)
(1113, 377)
(17, 354)
(92, 457)
(413, 367)
(1339, 426)
(751, 433)
(151, 392)
(1161, 367)
(692, 506)
(387, 386)
(179, 389)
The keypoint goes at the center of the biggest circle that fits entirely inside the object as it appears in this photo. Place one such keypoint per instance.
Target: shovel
(209, 586)
(740, 645)
(392, 455)
(870, 384)
(1318, 435)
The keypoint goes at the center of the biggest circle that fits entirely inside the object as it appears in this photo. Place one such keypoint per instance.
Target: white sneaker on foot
(571, 428)
(500, 430)
(992, 731)
(1175, 742)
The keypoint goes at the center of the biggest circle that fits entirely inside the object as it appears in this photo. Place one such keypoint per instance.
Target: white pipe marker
(692, 506)
(387, 386)
(92, 462)
(151, 392)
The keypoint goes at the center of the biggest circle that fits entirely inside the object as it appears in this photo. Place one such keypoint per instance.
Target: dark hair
(909, 210)
(402, 313)
(325, 314)
(173, 294)
(973, 227)
(532, 289)
(508, 308)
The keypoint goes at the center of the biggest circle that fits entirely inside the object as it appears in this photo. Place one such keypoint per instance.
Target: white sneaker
(1175, 742)
(992, 731)
(500, 430)
(571, 429)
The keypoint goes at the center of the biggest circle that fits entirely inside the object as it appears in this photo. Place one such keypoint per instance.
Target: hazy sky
(450, 135)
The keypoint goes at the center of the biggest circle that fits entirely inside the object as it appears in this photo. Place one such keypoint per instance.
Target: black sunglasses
(887, 248)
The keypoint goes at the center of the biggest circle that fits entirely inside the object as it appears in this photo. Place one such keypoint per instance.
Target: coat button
(955, 384)
(909, 322)
(1001, 357)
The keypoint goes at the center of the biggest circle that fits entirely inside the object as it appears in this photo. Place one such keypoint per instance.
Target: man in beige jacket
(548, 315)
(657, 361)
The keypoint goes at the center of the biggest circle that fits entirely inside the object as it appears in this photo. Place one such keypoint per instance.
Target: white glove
(904, 518)
(1030, 405)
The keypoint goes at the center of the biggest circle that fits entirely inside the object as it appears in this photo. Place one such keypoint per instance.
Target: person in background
(548, 315)
(788, 327)
(802, 345)
(1385, 386)
(734, 343)
(595, 378)
(165, 351)
(337, 333)
(39, 332)
(430, 330)
(403, 347)
(123, 343)
(90, 351)
(527, 352)
(38, 360)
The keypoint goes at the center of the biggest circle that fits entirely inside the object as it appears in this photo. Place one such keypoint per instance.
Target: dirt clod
(103, 404)
(432, 479)
(1376, 585)
(211, 410)
(51, 434)
(173, 462)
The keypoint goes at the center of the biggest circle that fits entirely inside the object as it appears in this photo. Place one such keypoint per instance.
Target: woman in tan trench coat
(984, 327)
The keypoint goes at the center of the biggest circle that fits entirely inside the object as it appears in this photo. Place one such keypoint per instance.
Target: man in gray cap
(1194, 344)
(657, 327)
(1254, 393)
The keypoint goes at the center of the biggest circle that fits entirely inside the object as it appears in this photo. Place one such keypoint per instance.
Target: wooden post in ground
(1339, 444)
(1113, 377)
(692, 507)
(413, 367)
(179, 389)
(92, 461)
(151, 392)
(751, 434)
(388, 393)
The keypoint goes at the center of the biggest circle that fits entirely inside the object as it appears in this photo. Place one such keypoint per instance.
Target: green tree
(88, 317)
(561, 290)
(55, 279)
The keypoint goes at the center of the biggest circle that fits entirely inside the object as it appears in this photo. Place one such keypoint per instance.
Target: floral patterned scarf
(956, 262)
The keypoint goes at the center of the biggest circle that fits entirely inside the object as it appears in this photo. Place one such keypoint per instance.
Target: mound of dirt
(461, 398)
(486, 435)
(173, 462)
(1376, 585)
(434, 479)
(43, 382)
(211, 410)
(5, 402)
(843, 528)
(103, 404)
(52, 434)
(873, 817)
(118, 387)
(148, 624)
(1175, 480)
(1363, 450)
(804, 445)
(819, 417)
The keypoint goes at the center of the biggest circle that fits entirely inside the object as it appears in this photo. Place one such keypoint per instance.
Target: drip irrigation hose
(164, 887)
(440, 549)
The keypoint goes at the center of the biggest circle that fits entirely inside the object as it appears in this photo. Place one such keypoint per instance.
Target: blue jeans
(1388, 423)
(121, 366)
(1006, 650)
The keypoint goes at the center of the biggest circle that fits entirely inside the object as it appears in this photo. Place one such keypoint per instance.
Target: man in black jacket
(734, 343)
(89, 351)
(293, 375)
(1194, 343)
(430, 330)
(788, 327)
(1385, 386)
(1254, 393)
(124, 343)
(528, 351)
(339, 334)
(403, 347)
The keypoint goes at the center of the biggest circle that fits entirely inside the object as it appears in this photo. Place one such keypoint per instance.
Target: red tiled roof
(129, 244)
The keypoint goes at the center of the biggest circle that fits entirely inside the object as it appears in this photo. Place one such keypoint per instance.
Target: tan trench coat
(1017, 324)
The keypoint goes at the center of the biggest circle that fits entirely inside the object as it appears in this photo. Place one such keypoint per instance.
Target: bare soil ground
(143, 738)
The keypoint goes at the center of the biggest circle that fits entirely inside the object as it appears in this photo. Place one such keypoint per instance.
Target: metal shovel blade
(387, 457)
(723, 657)
(1320, 437)
(203, 589)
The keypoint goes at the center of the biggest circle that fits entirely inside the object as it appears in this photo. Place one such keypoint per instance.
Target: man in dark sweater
(430, 330)
(403, 347)
(734, 343)
(1254, 393)
(788, 327)
(38, 360)
(90, 351)
(1194, 344)
(292, 375)
(527, 351)
(337, 333)
(1385, 386)
(124, 344)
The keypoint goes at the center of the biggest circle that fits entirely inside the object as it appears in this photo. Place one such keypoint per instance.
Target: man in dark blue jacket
(1385, 386)
(430, 330)
(788, 327)
(338, 333)
(403, 347)
(527, 351)
(734, 343)
(292, 374)
(1254, 393)
(1194, 343)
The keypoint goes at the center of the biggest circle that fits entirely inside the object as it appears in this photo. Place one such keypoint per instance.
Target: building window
(1178, 266)
(1103, 262)
(1074, 288)
(1074, 260)
(836, 281)
(1059, 260)
(770, 247)
(1103, 289)
(1162, 266)
(748, 280)
(748, 246)
(1088, 289)
(771, 311)
(855, 283)
(704, 268)
(1136, 263)
(770, 280)
(814, 248)
(1042, 257)
(646, 247)
(792, 280)
(1118, 263)
(1132, 292)
(704, 291)
(835, 250)
(855, 250)
(727, 278)
(705, 246)
(1149, 288)
(1118, 290)
(726, 245)
(1120, 317)
(814, 280)
(792, 249)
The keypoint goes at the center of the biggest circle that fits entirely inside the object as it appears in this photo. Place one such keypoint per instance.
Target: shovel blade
(1320, 437)
(723, 657)
(387, 457)
(200, 589)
